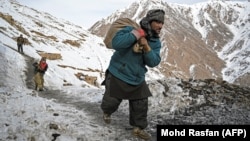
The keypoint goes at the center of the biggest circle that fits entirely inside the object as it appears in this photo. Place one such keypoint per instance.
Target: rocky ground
(213, 102)
(174, 102)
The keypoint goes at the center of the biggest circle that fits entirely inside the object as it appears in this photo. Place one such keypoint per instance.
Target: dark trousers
(20, 48)
(137, 108)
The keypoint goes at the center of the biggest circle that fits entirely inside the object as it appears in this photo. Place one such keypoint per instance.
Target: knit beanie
(155, 15)
(152, 15)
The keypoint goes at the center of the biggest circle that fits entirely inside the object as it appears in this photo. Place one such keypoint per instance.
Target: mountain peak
(196, 38)
(198, 42)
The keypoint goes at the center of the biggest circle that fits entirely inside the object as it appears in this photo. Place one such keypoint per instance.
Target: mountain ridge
(69, 108)
(195, 37)
(187, 51)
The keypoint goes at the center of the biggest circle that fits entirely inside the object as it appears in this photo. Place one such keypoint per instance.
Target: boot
(141, 133)
(106, 118)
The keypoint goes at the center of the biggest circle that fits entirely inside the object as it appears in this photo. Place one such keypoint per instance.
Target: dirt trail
(221, 107)
(57, 95)
(119, 126)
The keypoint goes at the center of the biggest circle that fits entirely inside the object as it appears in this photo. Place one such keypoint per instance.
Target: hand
(144, 43)
(139, 33)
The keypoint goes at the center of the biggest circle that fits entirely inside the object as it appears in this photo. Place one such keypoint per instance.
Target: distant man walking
(20, 42)
(40, 69)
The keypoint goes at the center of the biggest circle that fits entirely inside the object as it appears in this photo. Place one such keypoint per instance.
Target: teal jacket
(127, 65)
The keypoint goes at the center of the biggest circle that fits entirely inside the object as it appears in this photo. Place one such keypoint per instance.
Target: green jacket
(20, 40)
(127, 65)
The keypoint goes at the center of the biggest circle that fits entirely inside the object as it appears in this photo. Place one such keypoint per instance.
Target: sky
(86, 13)
(26, 114)
(73, 113)
(70, 112)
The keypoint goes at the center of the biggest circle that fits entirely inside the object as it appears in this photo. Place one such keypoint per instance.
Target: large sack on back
(115, 27)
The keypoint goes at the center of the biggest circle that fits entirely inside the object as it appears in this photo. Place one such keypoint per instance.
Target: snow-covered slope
(71, 50)
(226, 17)
(70, 113)
(205, 40)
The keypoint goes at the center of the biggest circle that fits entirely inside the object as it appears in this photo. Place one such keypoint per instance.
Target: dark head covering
(152, 15)
(43, 59)
(155, 15)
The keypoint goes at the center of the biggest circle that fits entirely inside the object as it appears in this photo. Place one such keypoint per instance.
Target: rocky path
(117, 130)
(201, 102)
(211, 102)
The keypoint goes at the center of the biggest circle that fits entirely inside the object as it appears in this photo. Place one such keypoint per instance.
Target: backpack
(20, 40)
(43, 66)
(115, 27)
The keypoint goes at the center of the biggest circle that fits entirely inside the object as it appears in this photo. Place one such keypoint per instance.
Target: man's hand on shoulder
(139, 33)
(143, 42)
